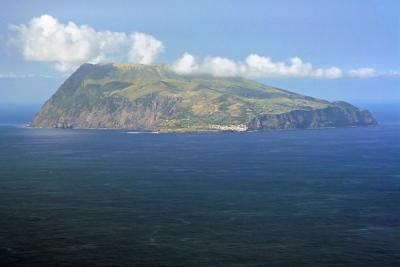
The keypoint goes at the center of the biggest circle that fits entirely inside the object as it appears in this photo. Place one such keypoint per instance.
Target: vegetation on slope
(152, 97)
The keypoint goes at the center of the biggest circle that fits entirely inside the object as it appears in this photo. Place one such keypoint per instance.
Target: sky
(335, 50)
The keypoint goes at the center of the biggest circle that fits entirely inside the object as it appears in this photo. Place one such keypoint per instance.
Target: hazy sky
(347, 50)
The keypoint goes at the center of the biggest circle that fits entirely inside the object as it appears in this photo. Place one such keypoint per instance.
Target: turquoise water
(327, 197)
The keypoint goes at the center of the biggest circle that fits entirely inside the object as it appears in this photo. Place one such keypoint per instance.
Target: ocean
(323, 197)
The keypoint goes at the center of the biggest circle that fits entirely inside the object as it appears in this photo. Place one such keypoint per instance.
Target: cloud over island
(253, 66)
(69, 45)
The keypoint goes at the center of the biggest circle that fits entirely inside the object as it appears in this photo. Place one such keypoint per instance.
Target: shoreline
(136, 131)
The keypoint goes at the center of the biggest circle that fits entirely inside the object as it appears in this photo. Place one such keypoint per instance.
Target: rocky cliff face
(111, 113)
(142, 97)
(319, 118)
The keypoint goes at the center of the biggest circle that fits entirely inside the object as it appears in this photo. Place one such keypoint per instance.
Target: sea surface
(326, 197)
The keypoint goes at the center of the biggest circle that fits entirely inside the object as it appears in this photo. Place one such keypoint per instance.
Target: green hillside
(152, 97)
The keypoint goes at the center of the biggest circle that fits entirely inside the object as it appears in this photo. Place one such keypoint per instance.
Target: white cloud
(264, 67)
(219, 66)
(362, 73)
(253, 66)
(145, 48)
(329, 73)
(68, 45)
(393, 73)
(187, 64)
(12, 75)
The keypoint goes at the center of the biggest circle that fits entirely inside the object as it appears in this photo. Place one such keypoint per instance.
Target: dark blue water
(328, 197)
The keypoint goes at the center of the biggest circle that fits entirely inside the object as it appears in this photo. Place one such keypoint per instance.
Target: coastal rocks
(63, 125)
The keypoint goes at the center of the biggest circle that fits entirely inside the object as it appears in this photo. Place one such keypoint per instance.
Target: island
(155, 98)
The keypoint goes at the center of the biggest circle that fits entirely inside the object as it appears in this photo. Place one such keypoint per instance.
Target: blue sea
(324, 197)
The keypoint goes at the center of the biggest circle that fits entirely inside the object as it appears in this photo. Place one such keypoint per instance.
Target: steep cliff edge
(333, 116)
(153, 98)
